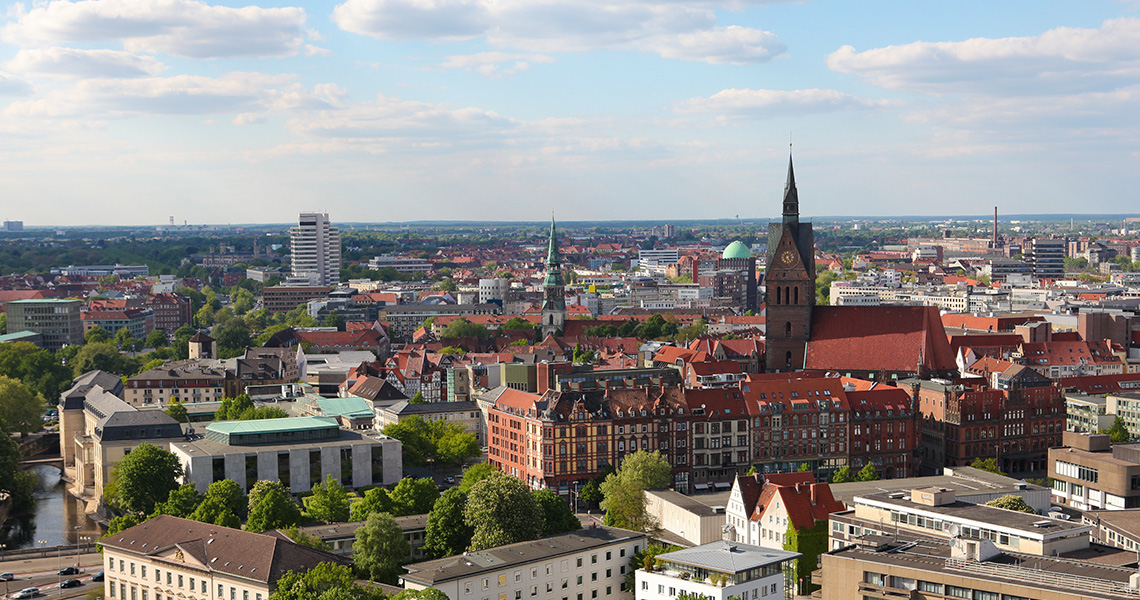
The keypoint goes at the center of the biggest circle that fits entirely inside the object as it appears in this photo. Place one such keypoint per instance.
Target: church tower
(553, 288)
(790, 285)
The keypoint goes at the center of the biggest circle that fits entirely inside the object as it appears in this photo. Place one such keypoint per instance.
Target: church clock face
(786, 257)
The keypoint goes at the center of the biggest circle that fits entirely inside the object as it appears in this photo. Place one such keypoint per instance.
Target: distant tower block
(172, 220)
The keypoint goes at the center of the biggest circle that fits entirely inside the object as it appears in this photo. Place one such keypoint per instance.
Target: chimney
(815, 493)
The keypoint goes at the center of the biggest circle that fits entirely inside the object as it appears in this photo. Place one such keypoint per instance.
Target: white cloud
(776, 103)
(254, 93)
(422, 124)
(683, 30)
(495, 63)
(72, 62)
(186, 28)
(10, 85)
(1061, 60)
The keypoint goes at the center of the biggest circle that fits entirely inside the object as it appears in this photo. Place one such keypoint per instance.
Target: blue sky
(132, 111)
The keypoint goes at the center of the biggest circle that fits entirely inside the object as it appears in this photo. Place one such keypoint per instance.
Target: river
(58, 519)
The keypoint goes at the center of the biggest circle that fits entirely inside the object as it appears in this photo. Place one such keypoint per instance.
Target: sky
(134, 111)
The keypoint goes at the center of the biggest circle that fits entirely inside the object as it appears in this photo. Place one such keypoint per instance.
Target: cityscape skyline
(396, 110)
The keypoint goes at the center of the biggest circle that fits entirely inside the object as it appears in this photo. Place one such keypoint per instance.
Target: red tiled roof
(878, 338)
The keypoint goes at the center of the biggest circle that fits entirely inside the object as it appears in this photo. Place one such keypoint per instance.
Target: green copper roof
(286, 424)
(737, 249)
(353, 407)
(553, 262)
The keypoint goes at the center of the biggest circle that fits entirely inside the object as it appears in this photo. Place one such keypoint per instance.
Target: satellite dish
(953, 529)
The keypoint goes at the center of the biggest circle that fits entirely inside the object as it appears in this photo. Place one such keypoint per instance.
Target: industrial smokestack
(995, 240)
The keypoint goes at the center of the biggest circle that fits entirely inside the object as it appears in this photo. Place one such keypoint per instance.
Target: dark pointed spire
(791, 197)
(553, 260)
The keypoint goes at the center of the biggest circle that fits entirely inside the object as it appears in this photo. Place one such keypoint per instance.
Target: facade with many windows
(587, 564)
(300, 452)
(169, 558)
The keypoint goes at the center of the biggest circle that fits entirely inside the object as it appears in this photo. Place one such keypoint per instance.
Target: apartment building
(284, 298)
(185, 381)
(168, 557)
(587, 564)
(720, 570)
(138, 321)
(315, 250)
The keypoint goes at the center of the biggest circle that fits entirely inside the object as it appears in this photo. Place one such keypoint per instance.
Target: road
(42, 573)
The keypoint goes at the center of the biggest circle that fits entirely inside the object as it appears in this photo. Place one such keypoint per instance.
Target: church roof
(878, 338)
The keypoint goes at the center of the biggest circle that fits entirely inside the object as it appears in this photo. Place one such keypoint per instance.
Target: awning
(723, 486)
(701, 486)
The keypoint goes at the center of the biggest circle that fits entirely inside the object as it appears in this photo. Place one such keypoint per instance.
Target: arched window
(788, 329)
(796, 293)
(779, 293)
(788, 358)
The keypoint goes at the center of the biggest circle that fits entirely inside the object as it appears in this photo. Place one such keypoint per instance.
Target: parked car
(449, 480)
(97, 577)
(69, 571)
(7, 576)
(70, 583)
(31, 592)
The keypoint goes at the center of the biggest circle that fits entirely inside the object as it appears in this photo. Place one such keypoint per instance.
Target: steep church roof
(878, 338)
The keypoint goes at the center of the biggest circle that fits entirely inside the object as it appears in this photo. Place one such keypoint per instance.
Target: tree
(447, 532)
(805, 467)
(1012, 502)
(645, 558)
(623, 492)
(328, 503)
(414, 496)
(867, 473)
(987, 464)
(182, 502)
(454, 447)
(125, 339)
(334, 320)
(104, 356)
(374, 500)
(557, 517)
(96, 334)
(260, 488)
(842, 475)
(322, 579)
(417, 398)
(145, 477)
(1118, 433)
(501, 510)
(592, 493)
(20, 409)
(228, 495)
(177, 411)
(474, 474)
(18, 483)
(42, 371)
(461, 328)
(380, 548)
(517, 323)
(275, 510)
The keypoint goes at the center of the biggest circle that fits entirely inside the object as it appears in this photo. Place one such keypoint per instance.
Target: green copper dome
(737, 249)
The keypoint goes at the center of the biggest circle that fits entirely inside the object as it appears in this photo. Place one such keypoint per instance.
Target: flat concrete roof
(964, 481)
(700, 505)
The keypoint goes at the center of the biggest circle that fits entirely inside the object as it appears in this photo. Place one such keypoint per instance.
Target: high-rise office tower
(315, 246)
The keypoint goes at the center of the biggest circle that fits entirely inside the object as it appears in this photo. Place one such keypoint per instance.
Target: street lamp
(2, 548)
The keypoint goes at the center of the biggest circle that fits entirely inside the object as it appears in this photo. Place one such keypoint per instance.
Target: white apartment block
(588, 564)
(720, 571)
(168, 558)
(315, 247)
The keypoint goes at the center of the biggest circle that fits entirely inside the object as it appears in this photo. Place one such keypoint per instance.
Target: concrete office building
(297, 451)
(1089, 473)
(57, 321)
(590, 563)
(315, 248)
(746, 572)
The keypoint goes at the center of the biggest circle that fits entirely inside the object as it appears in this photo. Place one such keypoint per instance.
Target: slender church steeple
(553, 288)
(791, 197)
